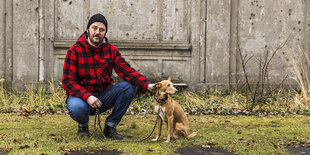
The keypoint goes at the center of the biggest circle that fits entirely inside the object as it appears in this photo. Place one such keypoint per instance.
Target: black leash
(97, 117)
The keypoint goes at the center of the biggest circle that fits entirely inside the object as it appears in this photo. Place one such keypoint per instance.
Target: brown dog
(170, 112)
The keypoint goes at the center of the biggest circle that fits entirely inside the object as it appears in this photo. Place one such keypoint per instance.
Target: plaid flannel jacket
(88, 69)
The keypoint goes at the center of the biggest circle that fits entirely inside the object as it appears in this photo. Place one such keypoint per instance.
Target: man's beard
(96, 43)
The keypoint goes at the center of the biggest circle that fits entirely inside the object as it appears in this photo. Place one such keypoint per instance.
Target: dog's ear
(157, 85)
(169, 78)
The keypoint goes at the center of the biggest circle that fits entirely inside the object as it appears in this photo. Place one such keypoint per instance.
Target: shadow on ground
(202, 151)
(94, 152)
(298, 150)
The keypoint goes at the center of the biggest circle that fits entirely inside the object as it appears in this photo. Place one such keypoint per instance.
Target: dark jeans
(118, 96)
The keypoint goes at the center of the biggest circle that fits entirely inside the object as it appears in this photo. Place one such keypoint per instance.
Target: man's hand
(151, 88)
(94, 102)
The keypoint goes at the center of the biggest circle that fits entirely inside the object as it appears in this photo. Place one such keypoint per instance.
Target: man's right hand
(94, 102)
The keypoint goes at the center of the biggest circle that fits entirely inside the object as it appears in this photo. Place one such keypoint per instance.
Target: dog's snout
(174, 89)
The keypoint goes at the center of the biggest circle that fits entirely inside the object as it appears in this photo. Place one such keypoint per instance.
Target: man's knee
(130, 88)
(77, 106)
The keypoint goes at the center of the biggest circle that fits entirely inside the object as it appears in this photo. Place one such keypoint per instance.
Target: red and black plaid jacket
(88, 69)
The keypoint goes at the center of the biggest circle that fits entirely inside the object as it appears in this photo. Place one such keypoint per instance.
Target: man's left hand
(151, 88)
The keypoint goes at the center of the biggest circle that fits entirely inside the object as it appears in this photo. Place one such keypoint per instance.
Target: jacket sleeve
(69, 78)
(126, 72)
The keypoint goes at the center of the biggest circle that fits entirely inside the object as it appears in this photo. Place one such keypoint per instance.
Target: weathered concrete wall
(266, 25)
(194, 41)
(153, 38)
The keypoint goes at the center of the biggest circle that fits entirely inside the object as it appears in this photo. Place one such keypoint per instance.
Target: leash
(97, 116)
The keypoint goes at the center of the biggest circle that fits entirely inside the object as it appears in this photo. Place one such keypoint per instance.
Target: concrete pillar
(49, 25)
(195, 22)
(233, 51)
(8, 33)
(2, 39)
(25, 42)
(307, 27)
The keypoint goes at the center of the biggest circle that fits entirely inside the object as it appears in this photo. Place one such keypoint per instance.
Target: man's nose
(97, 31)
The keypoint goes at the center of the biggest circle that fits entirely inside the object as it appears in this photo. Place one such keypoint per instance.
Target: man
(87, 79)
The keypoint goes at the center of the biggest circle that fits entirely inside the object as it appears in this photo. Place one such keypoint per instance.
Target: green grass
(50, 134)
(233, 127)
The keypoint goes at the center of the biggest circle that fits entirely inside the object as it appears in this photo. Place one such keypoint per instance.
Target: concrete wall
(194, 41)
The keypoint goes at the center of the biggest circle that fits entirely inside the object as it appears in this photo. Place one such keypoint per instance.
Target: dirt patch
(298, 150)
(202, 151)
(93, 152)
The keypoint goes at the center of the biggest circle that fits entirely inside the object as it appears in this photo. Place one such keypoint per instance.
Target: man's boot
(83, 130)
(110, 132)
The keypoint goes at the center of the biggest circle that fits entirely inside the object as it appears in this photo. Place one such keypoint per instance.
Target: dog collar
(161, 101)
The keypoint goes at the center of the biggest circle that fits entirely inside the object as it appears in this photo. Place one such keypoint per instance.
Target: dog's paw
(167, 141)
(155, 139)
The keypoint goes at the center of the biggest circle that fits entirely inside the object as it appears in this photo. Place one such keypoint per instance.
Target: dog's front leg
(170, 127)
(159, 125)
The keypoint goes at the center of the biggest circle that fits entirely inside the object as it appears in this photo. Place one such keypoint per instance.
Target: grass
(51, 99)
(298, 60)
(53, 134)
(221, 119)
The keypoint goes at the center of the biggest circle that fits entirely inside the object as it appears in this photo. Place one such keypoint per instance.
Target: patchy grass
(56, 134)
(221, 119)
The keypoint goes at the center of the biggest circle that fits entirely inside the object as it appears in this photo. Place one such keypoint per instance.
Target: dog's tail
(192, 135)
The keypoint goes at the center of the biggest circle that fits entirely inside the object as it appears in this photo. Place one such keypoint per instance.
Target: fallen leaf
(7, 148)
(26, 109)
(4, 136)
(17, 140)
(53, 135)
(24, 147)
(35, 144)
(23, 113)
(242, 140)
(206, 146)
(64, 149)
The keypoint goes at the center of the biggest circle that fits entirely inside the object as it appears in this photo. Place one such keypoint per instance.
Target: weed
(51, 98)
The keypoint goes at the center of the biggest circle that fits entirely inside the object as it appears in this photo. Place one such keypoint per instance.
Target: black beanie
(98, 18)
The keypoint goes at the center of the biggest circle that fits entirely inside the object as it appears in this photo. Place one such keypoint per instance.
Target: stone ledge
(135, 45)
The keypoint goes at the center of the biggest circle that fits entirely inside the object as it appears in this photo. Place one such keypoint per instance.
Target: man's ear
(169, 78)
(157, 85)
